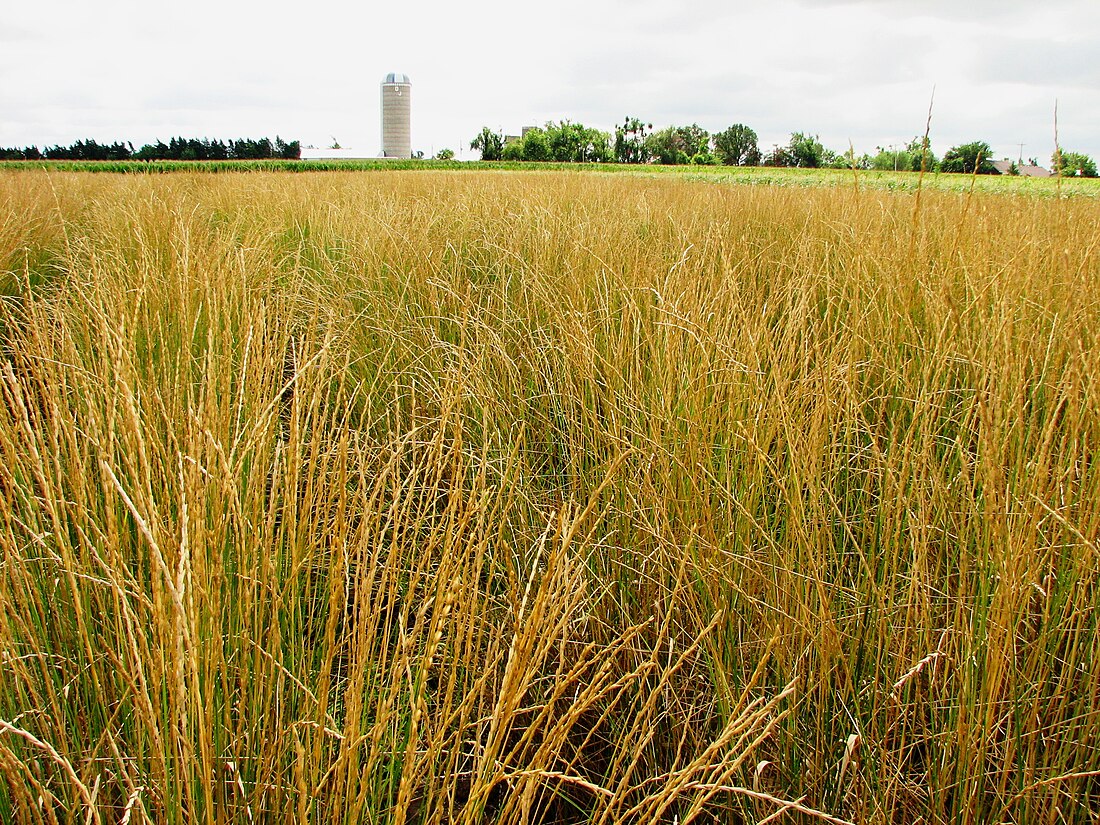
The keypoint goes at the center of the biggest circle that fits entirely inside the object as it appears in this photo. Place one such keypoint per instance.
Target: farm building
(1027, 170)
(396, 116)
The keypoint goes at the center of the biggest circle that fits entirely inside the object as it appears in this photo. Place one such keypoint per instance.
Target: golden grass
(441, 497)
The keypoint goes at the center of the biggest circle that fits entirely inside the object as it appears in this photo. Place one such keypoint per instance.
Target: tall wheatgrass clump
(433, 497)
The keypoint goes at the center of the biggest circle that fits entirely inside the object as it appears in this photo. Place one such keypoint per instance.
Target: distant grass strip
(736, 175)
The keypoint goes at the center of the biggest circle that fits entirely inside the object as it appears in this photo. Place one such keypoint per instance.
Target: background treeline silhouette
(178, 148)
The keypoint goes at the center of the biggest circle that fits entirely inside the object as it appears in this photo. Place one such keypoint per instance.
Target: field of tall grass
(431, 497)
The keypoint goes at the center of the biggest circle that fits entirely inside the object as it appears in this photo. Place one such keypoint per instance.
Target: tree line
(178, 148)
(635, 141)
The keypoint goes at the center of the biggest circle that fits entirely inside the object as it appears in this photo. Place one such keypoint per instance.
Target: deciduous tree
(535, 145)
(969, 157)
(489, 143)
(630, 141)
(576, 143)
(737, 146)
(692, 140)
(678, 144)
(1073, 164)
(806, 150)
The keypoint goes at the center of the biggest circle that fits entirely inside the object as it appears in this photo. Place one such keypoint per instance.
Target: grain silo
(396, 115)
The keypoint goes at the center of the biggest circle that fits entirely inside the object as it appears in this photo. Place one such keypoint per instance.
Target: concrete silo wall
(396, 119)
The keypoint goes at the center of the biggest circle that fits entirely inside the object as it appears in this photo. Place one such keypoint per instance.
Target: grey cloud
(942, 9)
(11, 34)
(213, 95)
(1039, 63)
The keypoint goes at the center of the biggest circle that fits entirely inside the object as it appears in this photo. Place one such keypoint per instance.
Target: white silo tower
(396, 116)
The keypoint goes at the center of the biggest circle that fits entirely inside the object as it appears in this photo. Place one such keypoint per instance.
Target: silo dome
(396, 77)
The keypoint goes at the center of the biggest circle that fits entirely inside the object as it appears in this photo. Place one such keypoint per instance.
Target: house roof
(1027, 170)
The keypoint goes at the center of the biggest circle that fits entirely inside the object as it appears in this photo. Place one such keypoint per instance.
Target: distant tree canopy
(562, 142)
(679, 144)
(178, 148)
(636, 141)
(90, 150)
(968, 158)
(80, 150)
(29, 153)
(665, 148)
(489, 143)
(694, 139)
(630, 141)
(242, 149)
(1073, 164)
(737, 146)
(804, 151)
(905, 158)
(575, 143)
(807, 151)
(533, 146)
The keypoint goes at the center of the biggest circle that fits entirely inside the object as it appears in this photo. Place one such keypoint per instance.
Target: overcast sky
(860, 71)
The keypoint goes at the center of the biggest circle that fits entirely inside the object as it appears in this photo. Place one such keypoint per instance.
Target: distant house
(1026, 170)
